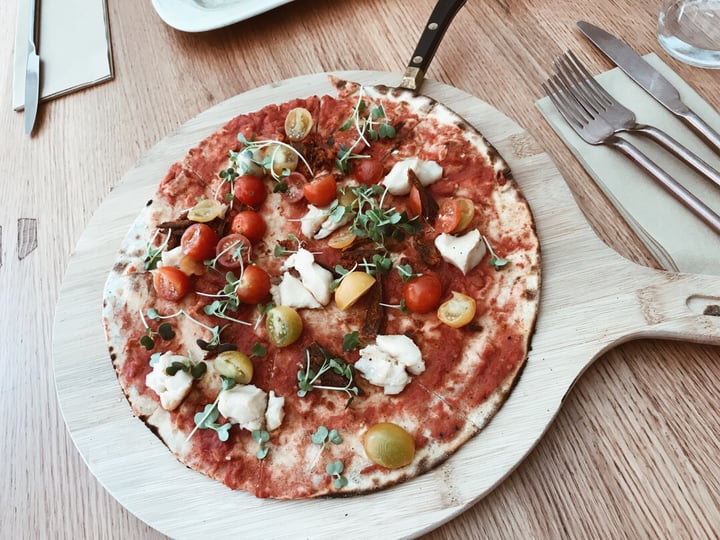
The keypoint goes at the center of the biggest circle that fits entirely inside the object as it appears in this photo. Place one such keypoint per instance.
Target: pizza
(326, 296)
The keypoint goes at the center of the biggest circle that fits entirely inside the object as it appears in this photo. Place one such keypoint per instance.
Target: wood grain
(633, 450)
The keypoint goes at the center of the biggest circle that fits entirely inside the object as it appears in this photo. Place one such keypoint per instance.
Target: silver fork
(593, 129)
(597, 100)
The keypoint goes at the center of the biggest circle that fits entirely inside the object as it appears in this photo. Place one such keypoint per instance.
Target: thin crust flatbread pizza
(326, 296)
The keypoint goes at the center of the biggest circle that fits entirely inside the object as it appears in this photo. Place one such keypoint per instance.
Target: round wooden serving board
(591, 299)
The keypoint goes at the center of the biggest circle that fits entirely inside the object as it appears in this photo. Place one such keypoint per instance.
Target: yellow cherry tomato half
(281, 157)
(298, 123)
(458, 311)
(206, 210)
(283, 325)
(389, 445)
(235, 365)
(352, 287)
(342, 239)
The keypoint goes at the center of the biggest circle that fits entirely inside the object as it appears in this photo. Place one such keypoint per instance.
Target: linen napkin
(678, 239)
(74, 47)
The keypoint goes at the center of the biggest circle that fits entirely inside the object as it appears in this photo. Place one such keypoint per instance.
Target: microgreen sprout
(281, 251)
(308, 378)
(372, 124)
(225, 300)
(238, 249)
(188, 366)
(373, 221)
(165, 331)
(335, 469)
(154, 253)
(207, 418)
(152, 313)
(323, 437)
(495, 261)
(261, 437)
(229, 176)
(406, 272)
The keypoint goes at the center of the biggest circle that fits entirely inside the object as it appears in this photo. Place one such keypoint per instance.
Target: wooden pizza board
(591, 300)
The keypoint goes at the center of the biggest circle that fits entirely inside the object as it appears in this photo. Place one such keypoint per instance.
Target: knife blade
(32, 74)
(649, 79)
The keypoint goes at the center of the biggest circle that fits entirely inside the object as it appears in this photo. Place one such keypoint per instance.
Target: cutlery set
(598, 118)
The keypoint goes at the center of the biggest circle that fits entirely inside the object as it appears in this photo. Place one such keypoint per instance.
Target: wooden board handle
(684, 307)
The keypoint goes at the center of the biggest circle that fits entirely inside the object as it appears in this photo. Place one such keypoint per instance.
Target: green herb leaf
(351, 341)
(148, 342)
(258, 350)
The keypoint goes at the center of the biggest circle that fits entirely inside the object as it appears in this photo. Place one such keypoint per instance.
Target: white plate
(203, 15)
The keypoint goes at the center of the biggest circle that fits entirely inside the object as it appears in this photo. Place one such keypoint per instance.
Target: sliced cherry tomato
(171, 283)
(368, 170)
(250, 190)
(389, 445)
(298, 123)
(455, 215)
(284, 326)
(294, 190)
(198, 242)
(458, 311)
(206, 210)
(234, 365)
(254, 285)
(414, 202)
(249, 223)
(422, 294)
(322, 190)
(231, 249)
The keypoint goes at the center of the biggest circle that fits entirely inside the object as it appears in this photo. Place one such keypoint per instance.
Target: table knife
(32, 74)
(649, 79)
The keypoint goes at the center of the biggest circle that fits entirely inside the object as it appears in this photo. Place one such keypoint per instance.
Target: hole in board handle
(704, 305)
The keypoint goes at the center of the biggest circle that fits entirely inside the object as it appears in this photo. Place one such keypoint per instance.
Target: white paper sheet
(74, 47)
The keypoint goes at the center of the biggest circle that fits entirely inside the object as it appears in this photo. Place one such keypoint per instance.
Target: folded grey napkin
(678, 239)
(74, 47)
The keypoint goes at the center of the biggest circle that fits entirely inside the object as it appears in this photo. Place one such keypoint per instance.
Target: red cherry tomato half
(295, 187)
(322, 190)
(254, 285)
(368, 170)
(414, 202)
(455, 215)
(170, 283)
(232, 249)
(198, 242)
(249, 223)
(250, 190)
(422, 294)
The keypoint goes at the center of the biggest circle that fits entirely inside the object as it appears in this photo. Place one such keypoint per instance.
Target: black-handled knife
(650, 80)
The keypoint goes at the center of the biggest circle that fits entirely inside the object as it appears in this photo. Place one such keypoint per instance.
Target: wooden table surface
(634, 451)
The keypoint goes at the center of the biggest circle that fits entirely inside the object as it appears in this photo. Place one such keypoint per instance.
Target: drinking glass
(689, 30)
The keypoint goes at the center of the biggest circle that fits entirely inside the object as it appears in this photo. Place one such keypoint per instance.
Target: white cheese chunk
(387, 362)
(313, 220)
(292, 293)
(314, 277)
(275, 411)
(397, 181)
(172, 389)
(465, 252)
(171, 257)
(245, 405)
(331, 225)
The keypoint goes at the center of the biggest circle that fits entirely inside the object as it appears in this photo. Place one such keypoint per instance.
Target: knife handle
(690, 201)
(680, 151)
(437, 25)
(711, 137)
